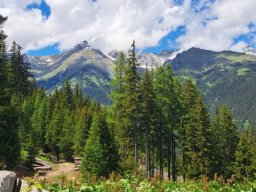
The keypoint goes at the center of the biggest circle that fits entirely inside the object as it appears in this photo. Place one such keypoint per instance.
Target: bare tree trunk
(173, 147)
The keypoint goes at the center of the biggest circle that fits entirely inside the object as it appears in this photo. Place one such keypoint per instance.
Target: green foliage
(148, 119)
(131, 184)
(9, 140)
(124, 113)
(224, 138)
(100, 153)
(9, 114)
(194, 133)
(245, 165)
(82, 128)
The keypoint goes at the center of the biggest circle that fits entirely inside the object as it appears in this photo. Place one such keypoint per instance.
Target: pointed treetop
(132, 55)
(133, 45)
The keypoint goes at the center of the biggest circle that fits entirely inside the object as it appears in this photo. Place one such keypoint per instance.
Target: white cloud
(106, 24)
(231, 18)
(113, 24)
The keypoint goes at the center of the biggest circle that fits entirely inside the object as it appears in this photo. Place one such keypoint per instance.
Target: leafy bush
(131, 184)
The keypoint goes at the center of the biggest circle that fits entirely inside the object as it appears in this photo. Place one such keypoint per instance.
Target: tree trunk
(174, 177)
(169, 155)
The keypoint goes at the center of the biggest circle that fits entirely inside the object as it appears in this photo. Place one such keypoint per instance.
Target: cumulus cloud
(112, 24)
(106, 24)
(217, 26)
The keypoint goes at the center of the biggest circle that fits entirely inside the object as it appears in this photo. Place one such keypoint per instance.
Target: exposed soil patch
(61, 172)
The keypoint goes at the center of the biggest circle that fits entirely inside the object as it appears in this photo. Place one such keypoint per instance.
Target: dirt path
(59, 171)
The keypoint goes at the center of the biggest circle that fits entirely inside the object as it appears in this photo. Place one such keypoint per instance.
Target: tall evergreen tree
(19, 75)
(54, 130)
(67, 136)
(158, 88)
(67, 96)
(148, 119)
(245, 165)
(168, 103)
(9, 141)
(118, 115)
(224, 141)
(82, 130)
(132, 102)
(194, 135)
(100, 152)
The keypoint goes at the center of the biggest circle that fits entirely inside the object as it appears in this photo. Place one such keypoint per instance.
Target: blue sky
(46, 27)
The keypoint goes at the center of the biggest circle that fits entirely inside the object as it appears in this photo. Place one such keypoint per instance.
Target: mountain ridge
(218, 75)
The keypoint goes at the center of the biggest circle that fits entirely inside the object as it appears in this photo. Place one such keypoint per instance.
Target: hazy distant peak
(82, 45)
(249, 50)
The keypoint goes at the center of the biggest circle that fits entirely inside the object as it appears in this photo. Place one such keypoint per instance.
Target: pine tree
(9, 141)
(245, 165)
(126, 108)
(78, 97)
(28, 136)
(38, 118)
(100, 152)
(159, 99)
(67, 136)
(67, 96)
(224, 140)
(194, 135)
(148, 119)
(118, 113)
(167, 91)
(19, 74)
(82, 130)
(132, 105)
(54, 130)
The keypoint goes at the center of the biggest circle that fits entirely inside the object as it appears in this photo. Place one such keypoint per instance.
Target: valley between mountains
(223, 77)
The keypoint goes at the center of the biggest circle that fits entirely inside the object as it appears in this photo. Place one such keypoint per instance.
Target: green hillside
(223, 78)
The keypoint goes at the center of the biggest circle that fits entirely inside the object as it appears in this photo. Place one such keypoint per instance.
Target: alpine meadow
(127, 96)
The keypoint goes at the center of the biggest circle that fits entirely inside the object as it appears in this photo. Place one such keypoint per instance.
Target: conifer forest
(156, 135)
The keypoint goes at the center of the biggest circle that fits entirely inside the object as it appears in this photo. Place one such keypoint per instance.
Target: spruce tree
(82, 128)
(19, 75)
(224, 140)
(9, 141)
(118, 114)
(159, 99)
(132, 101)
(67, 136)
(194, 135)
(100, 152)
(54, 130)
(245, 164)
(148, 119)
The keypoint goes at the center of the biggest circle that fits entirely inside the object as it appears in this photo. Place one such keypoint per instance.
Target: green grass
(242, 71)
(235, 58)
(210, 84)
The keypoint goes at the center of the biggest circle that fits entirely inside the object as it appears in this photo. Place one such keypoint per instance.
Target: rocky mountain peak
(249, 50)
(114, 54)
(82, 45)
(166, 52)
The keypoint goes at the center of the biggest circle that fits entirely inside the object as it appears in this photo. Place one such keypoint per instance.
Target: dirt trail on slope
(60, 170)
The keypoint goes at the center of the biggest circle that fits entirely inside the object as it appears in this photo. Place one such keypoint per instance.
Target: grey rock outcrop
(9, 182)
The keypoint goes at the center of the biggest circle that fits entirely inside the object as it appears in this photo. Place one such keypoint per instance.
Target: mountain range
(224, 77)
